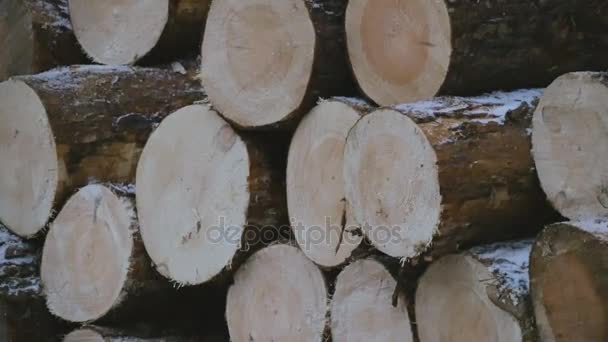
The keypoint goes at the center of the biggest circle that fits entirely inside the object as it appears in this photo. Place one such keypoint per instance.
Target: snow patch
(492, 107)
(595, 226)
(70, 77)
(510, 263)
(26, 281)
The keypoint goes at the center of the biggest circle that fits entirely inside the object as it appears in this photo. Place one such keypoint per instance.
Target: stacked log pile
(236, 185)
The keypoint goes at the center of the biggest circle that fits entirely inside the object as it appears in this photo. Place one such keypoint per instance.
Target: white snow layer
(510, 263)
(16, 285)
(492, 107)
(595, 226)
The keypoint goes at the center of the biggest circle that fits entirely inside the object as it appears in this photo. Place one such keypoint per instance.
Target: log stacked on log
(315, 188)
(126, 31)
(570, 142)
(450, 172)
(569, 279)
(277, 295)
(264, 63)
(201, 190)
(410, 50)
(93, 262)
(35, 35)
(479, 295)
(76, 124)
(362, 305)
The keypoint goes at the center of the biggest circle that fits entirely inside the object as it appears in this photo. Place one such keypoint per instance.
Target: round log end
(452, 304)
(315, 186)
(286, 298)
(569, 289)
(362, 309)
(84, 335)
(16, 39)
(193, 195)
(29, 174)
(570, 141)
(399, 49)
(257, 59)
(118, 31)
(87, 255)
(392, 183)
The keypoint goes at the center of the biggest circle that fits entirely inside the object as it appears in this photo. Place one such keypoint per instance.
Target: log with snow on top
(315, 186)
(450, 172)
(568, 277)
(277, 295)
(93, 261)
(64, 127)
(362, 305)
(478, 295)
(266, 62)
(127, 31)
(205, 193)
(411, 50)
(570, 144)
(35, 35)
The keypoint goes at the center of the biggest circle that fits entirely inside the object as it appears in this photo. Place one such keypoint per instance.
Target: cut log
(204, 193)
(463, 174)
(93, 261)
(315, 186)
(102, 334)
(570, 143)
(411, 50)
(479, 295)
(487, 285)
(265, 62)
(361, 308)
(66, 126)
(286, 298)
(568, 276)
(125, 31)
(35, 35)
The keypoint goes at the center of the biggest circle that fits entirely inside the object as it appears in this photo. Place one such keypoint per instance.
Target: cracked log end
(261, 53)
(399, 49)
(391, 183)
(286, 298)
(193, 195)
(568, 276)
(87, 255)
(362, 309)
(29, 174)
(118, 31)
(315, 188)
(570, 143)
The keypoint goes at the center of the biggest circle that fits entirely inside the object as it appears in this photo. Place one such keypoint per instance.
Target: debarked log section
(479, 295)
(68, 126)
(93, 262)
(410, 50)
(36, 35)
(445, 173)
(206, 194)
(265, 63)
(126, 31)
(569, 281)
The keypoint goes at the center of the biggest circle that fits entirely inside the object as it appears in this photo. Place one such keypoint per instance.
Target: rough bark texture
(183, 34)
(569, 280)
(508, 44)
(50, 41)
(102, 116)
(487, 178)
(331, 75)
(141, 334)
